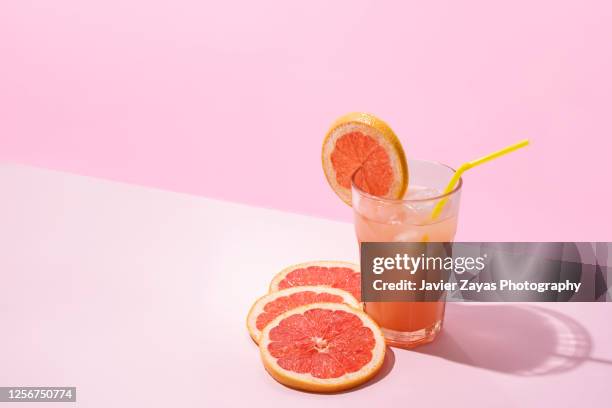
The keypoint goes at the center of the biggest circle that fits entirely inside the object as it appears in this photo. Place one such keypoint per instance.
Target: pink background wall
(232, 99)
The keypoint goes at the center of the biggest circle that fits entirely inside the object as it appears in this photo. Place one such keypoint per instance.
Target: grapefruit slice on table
(335, 274)
(362, 147)
(322, 347)
(267, 307)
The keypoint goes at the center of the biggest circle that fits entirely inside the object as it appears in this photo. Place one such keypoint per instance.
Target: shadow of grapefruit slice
(362, 148)
(268, 307)
(322, 347)
(335, 274)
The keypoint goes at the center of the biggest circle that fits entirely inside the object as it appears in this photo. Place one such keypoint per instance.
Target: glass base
(412, 339)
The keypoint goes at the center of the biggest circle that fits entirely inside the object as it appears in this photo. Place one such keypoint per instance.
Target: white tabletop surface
(138, 298)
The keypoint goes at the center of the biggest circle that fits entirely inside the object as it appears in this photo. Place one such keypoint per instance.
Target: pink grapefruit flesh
(268, 307)
(362, 149)
(322, 347)
(341, 275)
(283, 304)
(360, 156)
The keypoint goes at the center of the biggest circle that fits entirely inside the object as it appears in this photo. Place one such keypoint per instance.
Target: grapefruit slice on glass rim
(267, 307)
(361, 147)
(322, 347)
(335, 274)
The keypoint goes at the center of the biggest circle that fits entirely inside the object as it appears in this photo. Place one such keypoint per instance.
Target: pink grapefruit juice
(407, 324)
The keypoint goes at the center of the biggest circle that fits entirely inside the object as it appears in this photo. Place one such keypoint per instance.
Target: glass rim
(354, 187)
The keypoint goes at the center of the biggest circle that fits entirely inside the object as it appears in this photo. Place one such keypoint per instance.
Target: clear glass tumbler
(408, 324)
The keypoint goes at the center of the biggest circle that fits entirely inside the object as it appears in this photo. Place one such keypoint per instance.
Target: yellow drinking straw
(466, 166)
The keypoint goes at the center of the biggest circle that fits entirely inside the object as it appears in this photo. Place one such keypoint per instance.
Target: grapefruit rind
(259, 305)
(278, 278)
(380, 131)
(307, 382)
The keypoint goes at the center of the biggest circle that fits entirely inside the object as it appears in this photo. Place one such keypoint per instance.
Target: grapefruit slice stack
(311, 330)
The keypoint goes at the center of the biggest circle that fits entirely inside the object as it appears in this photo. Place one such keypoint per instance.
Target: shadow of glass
(515, 339)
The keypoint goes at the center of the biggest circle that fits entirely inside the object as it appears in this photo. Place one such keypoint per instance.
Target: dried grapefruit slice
(323, 347)
(335, 274)
(267, 307)
(362, 147)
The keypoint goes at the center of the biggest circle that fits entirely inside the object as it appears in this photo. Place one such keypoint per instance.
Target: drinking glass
(408, 324)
